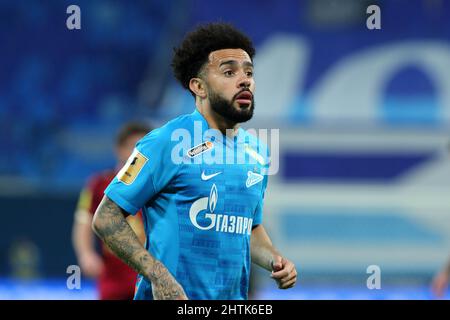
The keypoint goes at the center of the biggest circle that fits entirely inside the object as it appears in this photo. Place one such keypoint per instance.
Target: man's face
(124, 150)
(230, 84)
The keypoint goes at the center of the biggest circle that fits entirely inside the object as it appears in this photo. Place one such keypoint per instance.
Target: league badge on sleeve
(131, 169)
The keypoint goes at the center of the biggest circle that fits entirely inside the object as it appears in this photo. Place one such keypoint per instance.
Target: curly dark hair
(194, 51)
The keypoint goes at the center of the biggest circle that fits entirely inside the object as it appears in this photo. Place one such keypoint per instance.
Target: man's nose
(244, 82)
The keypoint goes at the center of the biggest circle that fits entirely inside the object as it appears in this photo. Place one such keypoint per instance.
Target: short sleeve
(264, 150)
(148, 170)
(258, 215)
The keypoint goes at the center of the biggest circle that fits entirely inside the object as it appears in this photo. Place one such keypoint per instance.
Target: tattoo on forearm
(117, 234)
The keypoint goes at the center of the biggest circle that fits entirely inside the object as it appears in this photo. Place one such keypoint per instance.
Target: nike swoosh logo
(209, 176)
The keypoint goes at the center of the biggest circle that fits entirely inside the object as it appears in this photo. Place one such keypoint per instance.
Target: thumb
(277, 263)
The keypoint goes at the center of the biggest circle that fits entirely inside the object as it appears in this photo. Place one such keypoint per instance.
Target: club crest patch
(253, 178)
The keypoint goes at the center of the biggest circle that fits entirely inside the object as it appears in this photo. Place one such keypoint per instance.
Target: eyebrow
(234, 62)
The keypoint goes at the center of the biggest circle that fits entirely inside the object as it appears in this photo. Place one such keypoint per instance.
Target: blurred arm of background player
(266, 256)
(440, 281)
(83, 239)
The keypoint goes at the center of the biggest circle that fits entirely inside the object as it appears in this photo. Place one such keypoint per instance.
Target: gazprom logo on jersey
(209, 147)
(218, 222)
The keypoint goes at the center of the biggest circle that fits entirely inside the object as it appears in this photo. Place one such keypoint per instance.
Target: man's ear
(198, 87)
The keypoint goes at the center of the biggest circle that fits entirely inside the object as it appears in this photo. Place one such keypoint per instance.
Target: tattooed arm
(111, 226)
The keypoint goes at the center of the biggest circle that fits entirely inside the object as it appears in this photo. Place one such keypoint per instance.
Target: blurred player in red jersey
(115, 280)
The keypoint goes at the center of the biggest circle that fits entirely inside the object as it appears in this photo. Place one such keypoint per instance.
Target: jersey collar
(197, 116)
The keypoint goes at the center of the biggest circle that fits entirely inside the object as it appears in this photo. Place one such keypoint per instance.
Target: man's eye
(229, 73)
(249, 73)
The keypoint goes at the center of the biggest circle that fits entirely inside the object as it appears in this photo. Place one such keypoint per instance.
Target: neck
(215, 120)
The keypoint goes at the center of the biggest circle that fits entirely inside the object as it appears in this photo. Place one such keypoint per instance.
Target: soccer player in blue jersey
(200, 181)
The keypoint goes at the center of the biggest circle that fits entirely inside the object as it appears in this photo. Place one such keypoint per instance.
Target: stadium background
(364, 118)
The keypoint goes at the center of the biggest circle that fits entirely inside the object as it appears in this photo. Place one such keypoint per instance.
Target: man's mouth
(245, 97)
